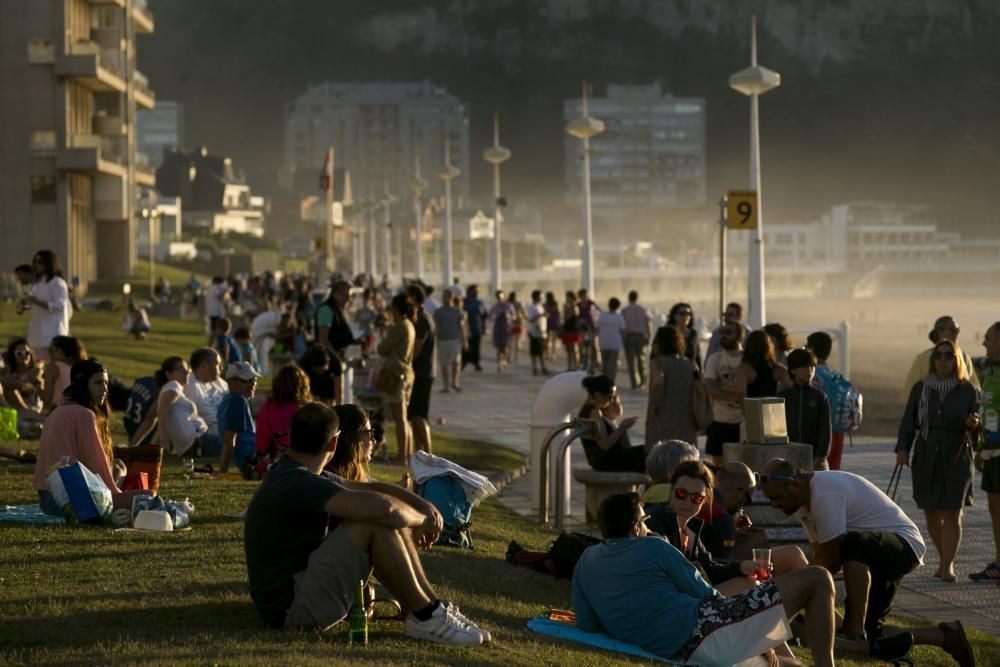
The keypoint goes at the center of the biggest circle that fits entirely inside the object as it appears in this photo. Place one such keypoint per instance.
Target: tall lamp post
(448, 174)
(583, 128)
(387, 201)
(370, 209)
(496, 155)
(151, 215)
(418, 185)
(754, 81)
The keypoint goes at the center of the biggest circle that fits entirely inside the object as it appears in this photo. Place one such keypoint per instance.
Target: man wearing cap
(236, 425)
(945, 328)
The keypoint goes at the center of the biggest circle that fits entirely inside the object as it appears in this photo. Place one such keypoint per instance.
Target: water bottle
(357, 628)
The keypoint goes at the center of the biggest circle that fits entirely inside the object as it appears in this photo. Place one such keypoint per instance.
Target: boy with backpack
(807, 411)
(844, 398)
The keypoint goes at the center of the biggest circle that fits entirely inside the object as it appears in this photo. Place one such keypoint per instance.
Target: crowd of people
(318, 523)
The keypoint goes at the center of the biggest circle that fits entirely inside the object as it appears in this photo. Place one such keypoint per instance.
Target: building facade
(651, 155)
(377, 131)
(159, 130)
(68, 164)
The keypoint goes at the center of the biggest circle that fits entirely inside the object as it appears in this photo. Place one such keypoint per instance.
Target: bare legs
(945, 527)
(993, 501)
(811, 590)
(857, 581)
(398, 411)
(421, 434)
(572, 357)
(395, 560)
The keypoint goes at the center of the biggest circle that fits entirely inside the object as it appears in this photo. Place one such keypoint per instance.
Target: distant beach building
(650, 157)
(377, 130)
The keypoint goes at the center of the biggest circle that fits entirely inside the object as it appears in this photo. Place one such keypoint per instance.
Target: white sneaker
(487, 638)
(444, 627)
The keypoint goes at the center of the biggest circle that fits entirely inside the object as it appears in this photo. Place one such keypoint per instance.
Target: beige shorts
(448, 351)
(401, 395)
(324, 591)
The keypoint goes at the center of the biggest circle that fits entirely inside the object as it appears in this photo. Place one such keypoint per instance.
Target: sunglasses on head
(764, 479)
(944, 354)
(684, 494)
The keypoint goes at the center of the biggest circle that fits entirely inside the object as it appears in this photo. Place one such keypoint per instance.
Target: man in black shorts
(726, 395)
(311, 536)
(419, 406)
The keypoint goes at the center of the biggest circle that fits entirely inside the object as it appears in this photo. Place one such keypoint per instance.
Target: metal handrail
(580, 428)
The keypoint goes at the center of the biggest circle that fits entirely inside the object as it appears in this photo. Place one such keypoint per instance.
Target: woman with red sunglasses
(692, 485)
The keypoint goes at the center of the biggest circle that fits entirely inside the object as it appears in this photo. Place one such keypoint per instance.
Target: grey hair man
(660, 463)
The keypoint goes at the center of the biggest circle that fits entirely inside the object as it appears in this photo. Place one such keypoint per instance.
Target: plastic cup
(762, 564)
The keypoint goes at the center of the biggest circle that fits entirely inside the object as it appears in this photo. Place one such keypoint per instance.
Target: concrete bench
(599, 485)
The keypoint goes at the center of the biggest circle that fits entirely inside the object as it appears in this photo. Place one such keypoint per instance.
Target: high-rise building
(651, 155)
(377, 130)
(160, 130)
(68, 164)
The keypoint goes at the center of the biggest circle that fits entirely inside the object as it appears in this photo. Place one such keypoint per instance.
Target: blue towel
(27, 514)
(547, 626)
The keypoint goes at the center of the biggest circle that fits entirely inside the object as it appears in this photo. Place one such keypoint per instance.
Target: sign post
(741, 209)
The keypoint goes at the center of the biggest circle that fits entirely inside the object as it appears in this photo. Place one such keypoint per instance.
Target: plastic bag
(82, 495)
(180, 511)
(8, 424)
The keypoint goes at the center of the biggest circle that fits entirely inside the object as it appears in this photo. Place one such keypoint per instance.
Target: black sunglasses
(764, 479)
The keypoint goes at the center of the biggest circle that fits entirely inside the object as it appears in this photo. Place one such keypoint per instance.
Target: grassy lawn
(87, 595)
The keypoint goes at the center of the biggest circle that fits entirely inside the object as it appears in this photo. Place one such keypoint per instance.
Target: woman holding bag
(79, 429)
(396, 376)
(941, 412)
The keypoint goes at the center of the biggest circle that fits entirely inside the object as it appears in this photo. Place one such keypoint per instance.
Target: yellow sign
(741, 209)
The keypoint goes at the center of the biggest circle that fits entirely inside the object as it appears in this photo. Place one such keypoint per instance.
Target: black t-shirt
(285, 523)
(423, 364)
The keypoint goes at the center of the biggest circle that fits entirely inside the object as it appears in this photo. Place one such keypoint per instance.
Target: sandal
(956, 644)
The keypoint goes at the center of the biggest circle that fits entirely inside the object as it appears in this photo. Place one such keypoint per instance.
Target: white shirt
(207, 396)
(610, 327)
(181, 423)
(721, 367)
(44, 324)
(536, 327)
(842, 502)
(265, 324)
(213, 299)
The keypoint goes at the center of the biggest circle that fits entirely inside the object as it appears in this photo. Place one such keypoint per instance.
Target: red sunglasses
(684, 494)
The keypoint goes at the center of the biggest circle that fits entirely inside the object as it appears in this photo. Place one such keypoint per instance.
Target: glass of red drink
(762, 564)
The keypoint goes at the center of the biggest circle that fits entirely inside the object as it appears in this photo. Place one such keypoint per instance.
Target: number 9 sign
(741, 209)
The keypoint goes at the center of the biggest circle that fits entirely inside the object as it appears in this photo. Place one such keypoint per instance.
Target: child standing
(807, 412)
(247, 351)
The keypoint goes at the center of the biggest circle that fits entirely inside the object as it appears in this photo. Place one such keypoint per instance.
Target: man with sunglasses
(853, 526)
(945, 328)
(637, 588)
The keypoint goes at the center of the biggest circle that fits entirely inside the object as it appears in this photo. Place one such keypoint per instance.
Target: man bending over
(310, 538)
(639, 589)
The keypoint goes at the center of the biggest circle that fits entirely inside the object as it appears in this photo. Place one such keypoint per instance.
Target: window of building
(43, 189)
(43, 141)
(41, 50)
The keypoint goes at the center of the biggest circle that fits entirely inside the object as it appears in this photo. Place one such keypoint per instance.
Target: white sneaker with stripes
(445, 627)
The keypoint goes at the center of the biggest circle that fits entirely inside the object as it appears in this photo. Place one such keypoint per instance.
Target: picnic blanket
(562, 630)
(27, 514)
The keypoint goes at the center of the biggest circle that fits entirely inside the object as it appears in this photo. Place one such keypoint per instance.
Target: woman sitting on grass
(80, 429)
(64, 351)
(178, 424)
(290, 390)
(354, 445)
(23, 383)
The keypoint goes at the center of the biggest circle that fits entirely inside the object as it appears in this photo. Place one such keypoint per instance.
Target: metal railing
(577, 428)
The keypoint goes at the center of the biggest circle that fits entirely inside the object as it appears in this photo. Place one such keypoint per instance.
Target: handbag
(893, 487)
(144, 458)
(701, 405)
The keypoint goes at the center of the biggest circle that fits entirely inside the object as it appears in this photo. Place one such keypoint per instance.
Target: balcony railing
(145, 95)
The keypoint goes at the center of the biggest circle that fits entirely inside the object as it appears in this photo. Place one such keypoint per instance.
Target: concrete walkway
(496, 407)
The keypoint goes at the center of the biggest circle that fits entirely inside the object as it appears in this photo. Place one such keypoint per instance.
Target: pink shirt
(71, 430)
(275, 417)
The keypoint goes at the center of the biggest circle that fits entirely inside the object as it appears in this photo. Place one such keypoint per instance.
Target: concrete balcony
(93, 154)
(144, 173)
(144, 95)
(142, 16)
(100, 70)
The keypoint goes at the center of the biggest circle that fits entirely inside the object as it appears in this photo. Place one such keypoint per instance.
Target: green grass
(87, 595)
(140, 281)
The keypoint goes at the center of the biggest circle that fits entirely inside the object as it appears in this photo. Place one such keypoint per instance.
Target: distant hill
(887, 99)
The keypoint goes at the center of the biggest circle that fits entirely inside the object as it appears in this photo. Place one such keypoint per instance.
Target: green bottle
(357, 628)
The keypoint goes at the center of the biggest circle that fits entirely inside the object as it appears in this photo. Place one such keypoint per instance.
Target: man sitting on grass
(639, 589)
(310, 538)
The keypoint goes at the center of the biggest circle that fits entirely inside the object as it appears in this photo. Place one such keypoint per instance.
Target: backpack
(561, 558)
(845, 401)
(445, 492)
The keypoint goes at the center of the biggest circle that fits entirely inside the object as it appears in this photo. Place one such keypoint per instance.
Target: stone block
(600, 485)
(755, 456)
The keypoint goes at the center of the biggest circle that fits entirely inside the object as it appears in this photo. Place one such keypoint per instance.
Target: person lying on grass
(638, 588)
(309, 538)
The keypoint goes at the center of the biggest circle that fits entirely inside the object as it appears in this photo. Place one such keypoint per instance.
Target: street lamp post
(583, 128)
(372, 241)
(150, 215)
(754, 81)
(418, 185)
(496, 155)
(448, 174)
(387, 201)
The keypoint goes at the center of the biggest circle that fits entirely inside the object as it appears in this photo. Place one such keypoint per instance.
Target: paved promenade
(497, 406)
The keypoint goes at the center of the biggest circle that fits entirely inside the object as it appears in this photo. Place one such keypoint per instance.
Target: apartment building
(377, 130)
(160, 130)
(650, 157)
(69, 168)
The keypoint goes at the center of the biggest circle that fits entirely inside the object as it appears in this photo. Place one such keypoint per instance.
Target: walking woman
(554, 325)
(941, 416)
(48, 302)
(518, 319)
(681, 317)
(669, 412)
(501, 314)
(571, 331)
(396, 376)
(758, 374)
